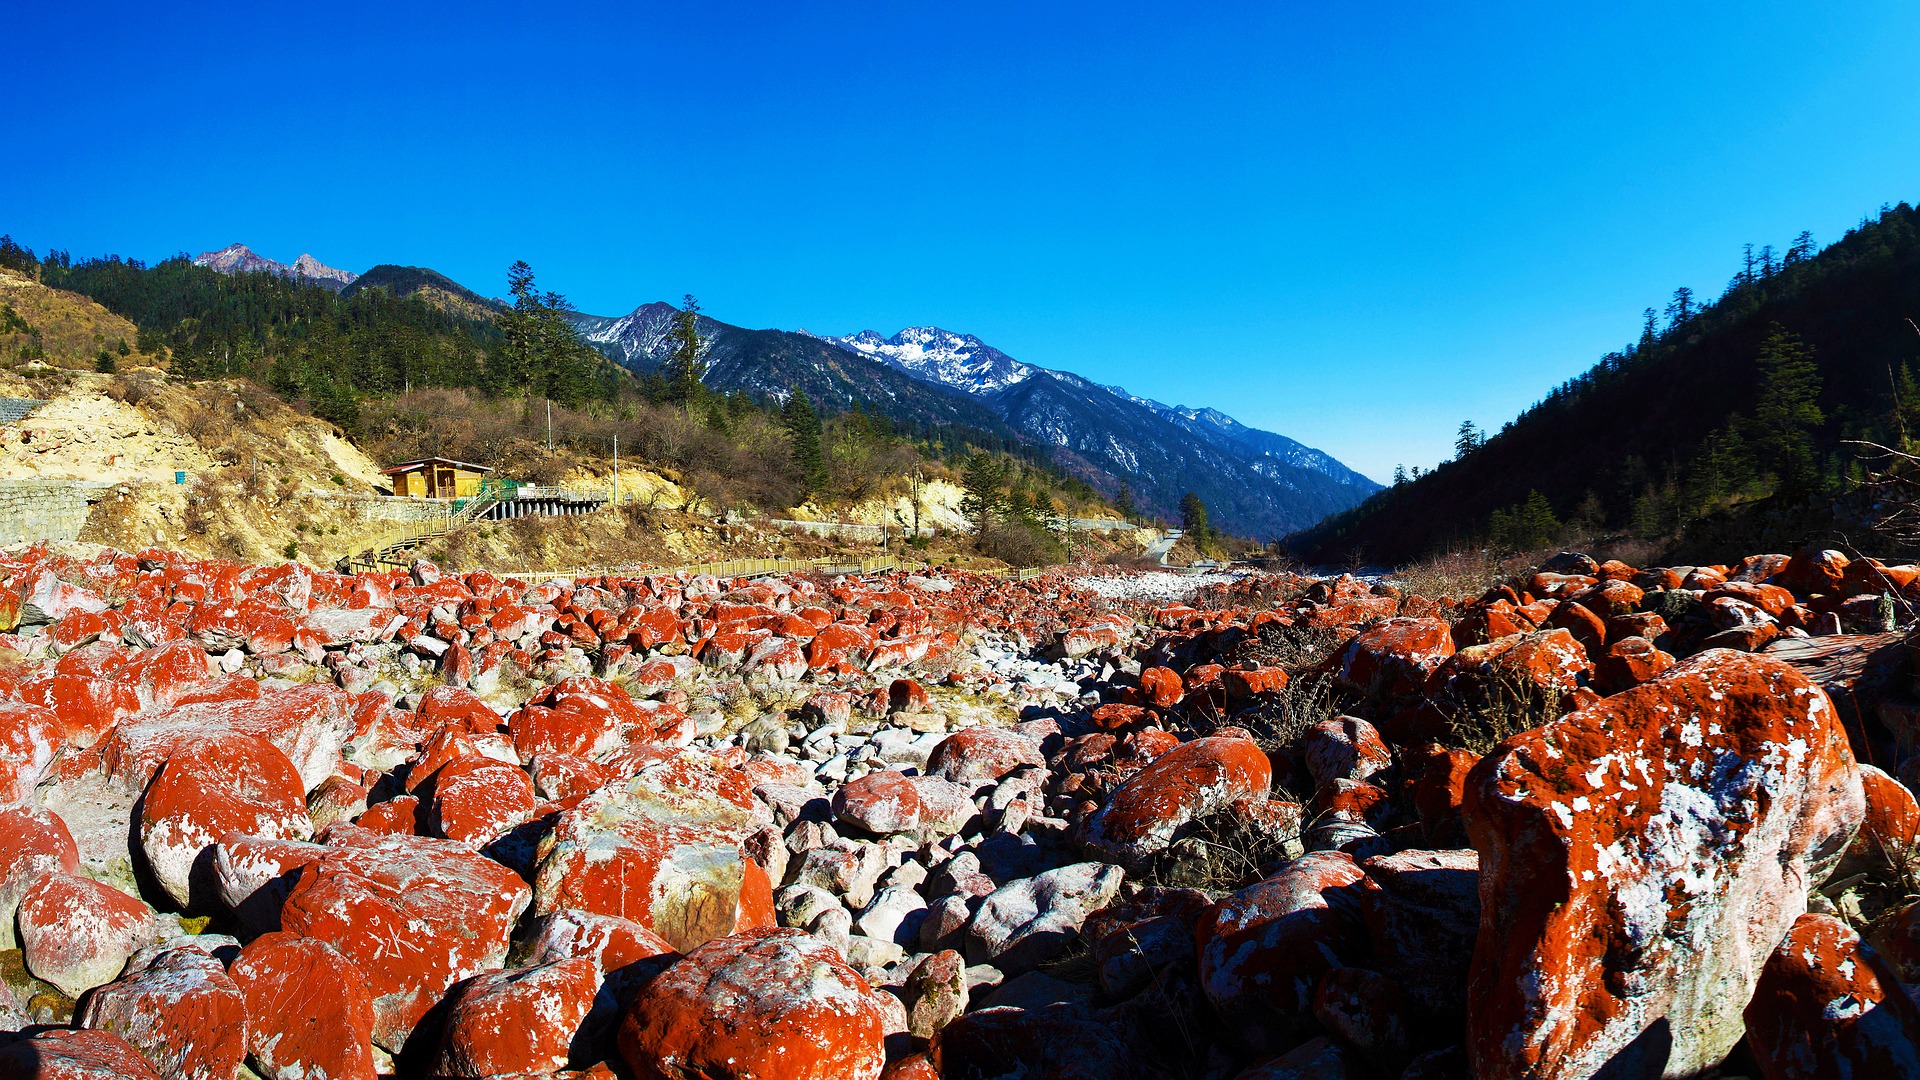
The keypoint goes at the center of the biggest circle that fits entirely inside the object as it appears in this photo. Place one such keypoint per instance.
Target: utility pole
(616, 472)
(549, 425)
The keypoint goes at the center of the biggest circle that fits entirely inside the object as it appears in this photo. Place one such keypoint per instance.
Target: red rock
(309, 1010)
(399, 816)
(1264, 949)
(30, 735)
(1489, 623)
(1344, 748)
(77, 933)
(664, 850)
(73, 1054)
(907, 696)
(476, 798)
(1162, 687)
(1247, 684)
(33, 841)
(1813, 571)
(204, 792)
(526, 1020)
(772, 1004)
(1641, 857)
(1546, 661)
(1437, 790)
(1396, 657)
(1888, 833)
(162, 677)
(418, 914)
(884, 802)
(1117, 716)
(181, 1011)
(1629, 662)
(1190, 781)
(310, 724)
(613, 944)
(580, 715)
(982, 755)
(254, 874)
(1828, 1008)
(1315, 1059)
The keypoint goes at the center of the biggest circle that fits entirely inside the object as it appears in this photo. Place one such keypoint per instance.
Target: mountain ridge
(241, 259)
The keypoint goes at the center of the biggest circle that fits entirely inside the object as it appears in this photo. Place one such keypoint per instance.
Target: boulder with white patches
(181, 1011)
(1640, 859)
(528, 1020)
(1190, 781)
(1829, 1008)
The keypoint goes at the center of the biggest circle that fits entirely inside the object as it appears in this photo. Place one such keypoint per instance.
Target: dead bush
(1508, 706)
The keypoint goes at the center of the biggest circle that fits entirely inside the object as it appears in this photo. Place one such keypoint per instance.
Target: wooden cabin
(436, 478)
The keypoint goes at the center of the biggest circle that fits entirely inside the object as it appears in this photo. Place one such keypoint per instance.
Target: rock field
(1601, 821)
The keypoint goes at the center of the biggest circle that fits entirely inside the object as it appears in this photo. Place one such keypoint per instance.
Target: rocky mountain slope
(1089, 430)
(966, 363)
(947, 825)
(241, 259)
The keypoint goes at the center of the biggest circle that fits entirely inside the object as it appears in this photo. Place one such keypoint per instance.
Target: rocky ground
(1600, 821)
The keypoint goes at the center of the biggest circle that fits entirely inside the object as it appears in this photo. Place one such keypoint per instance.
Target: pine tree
(983, 500)
(1786, 415)
(1193, 519)
(1680, 309)
(1123, 502)
(803, 426)
(686, 364)
(1467, 441)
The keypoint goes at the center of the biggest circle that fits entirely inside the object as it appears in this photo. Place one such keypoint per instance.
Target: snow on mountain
(961, 361)
(966, 363)
(241, 259)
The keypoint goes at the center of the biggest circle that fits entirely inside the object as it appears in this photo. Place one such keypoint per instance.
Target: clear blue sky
(1356, 227)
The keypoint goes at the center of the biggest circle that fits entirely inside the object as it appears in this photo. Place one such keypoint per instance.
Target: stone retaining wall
(35, 510)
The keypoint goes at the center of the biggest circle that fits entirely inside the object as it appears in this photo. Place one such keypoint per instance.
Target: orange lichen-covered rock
(1888, 834)
(78, 933)
(1629, 662)
(181, 1011)
(772, 1004)
(663, 850)
(884, 801)
(309, 1010)
(242, 784)
(1640, 859)
(1263, 949)
(74, 1054)
(982, 755)
(1397, 656)
(476, 798)
(1190, 781)
(417, 914)
(33, 841)
(1344, 748)
(1828, 1008)
(1543, 662)
(526, 1020)
(1161, 687)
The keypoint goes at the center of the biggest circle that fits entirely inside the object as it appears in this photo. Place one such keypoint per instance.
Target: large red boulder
(1640, 859)
(664, 850)
(417, 914)
(771, 1004)
(982, 755)
(181, 1011)
(310, 1013)
(1396, 657)
(1190, 781)
(521, 1021)
(239, 785)
(1827, 1007)
(33, 842)
(78, 933)
(1263, 949)
(74, 1054)
(582, 716)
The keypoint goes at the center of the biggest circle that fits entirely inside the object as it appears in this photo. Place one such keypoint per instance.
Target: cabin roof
(410, 466)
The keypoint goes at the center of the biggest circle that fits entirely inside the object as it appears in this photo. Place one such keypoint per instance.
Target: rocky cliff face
(241, 259)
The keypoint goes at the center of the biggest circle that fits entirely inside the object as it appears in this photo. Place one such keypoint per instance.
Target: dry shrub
(135, 389)
(1296, 647)
(1509, 706)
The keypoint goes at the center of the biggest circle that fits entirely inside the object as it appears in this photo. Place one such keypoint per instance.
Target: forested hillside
(1717, 408)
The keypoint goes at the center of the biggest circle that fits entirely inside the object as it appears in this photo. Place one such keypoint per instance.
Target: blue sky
(1356, 227)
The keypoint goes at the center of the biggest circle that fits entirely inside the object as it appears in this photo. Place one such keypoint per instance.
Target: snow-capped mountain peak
(241, 259)
(961, 361)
